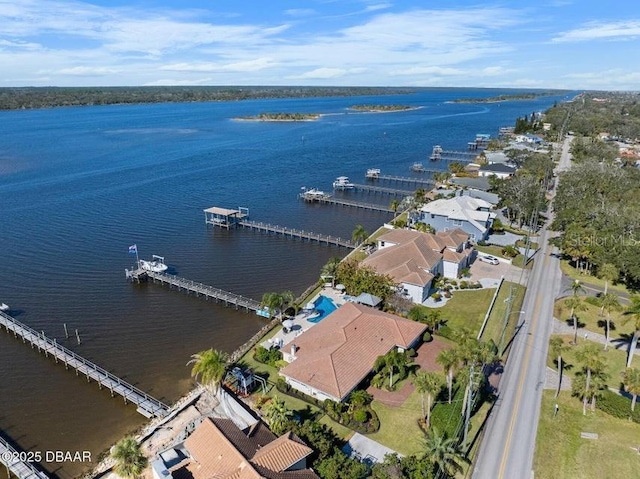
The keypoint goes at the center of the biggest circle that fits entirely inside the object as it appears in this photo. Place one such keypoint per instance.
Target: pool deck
(300, 323)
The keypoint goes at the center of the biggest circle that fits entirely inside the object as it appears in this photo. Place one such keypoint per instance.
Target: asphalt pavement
(507, 449)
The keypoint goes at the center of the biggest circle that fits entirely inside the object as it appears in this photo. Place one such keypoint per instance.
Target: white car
(489, 259)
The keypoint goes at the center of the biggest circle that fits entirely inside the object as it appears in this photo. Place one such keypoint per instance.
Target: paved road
(509, 441)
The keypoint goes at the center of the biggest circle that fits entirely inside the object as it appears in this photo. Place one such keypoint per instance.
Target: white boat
(417, 167)
(436, 153)
(342, 183)
(373, 173)
(4, 307)
(156, 265)
(313, 194)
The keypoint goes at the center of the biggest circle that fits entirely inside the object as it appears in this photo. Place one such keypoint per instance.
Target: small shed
(368, 300)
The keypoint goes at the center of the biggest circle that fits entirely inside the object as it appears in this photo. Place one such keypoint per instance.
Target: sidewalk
(561, 327)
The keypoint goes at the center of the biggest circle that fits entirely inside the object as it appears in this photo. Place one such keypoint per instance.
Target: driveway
(489, 274)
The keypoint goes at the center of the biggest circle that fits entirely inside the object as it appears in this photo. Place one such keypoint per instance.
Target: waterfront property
(472, 215)
(498, 170)
(322, 307)
(331, 359)
(218, 448)
(148, 406)
(224, 217)
(413, 258)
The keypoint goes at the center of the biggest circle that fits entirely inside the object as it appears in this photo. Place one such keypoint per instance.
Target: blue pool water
(325, 307)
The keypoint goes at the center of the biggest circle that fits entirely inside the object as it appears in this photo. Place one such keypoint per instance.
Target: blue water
(324, 306)
(79, 185)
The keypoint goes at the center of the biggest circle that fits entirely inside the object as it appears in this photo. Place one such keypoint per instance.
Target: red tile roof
(337, 354)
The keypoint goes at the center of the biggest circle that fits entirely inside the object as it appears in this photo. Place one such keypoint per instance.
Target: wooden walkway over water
(404, 179)
(354, 204)
(209, 292)
(298, 234)
(147, 405)
(382, 189)
(20, 469)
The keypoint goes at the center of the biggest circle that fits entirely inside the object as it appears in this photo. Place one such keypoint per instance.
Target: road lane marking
(518, 398)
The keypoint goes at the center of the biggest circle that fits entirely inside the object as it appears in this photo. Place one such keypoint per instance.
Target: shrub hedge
(617, 406)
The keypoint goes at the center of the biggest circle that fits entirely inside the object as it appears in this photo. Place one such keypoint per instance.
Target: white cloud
(244, 66)
(430, 70)
(599, 30)
(379, 6)
(300, 12)
(323, 73)
(18, 45)
(178, 82)
(88, 71)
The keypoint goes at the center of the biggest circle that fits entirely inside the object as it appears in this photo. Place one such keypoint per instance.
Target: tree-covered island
(281, 117)
(509, 97)
(381, 108)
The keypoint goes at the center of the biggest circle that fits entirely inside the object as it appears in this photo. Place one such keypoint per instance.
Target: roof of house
(452, 238)
(410, 259)
(498, 168)
(217, 448)
(496, 157)
(337, 353)
(463, 208)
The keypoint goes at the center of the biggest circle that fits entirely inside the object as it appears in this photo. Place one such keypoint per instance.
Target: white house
(499, 170)
(472, 215)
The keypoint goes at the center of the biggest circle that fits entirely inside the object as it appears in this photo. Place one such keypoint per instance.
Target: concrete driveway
(486, 273)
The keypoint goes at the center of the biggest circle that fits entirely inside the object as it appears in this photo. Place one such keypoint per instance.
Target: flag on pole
(133, 249)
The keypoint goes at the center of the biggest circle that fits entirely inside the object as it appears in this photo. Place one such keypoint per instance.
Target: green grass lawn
(591, 317)
(467, 308)
(573, 273)
(616, 361)
(493, 329)
(399, 428)
(562, 453)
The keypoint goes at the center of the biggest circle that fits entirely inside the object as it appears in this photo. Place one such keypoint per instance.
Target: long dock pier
(148, 406)
(381, 189)
(404, 179)
(354, 204)
(299, 234)
(10, 457)
(209, 292)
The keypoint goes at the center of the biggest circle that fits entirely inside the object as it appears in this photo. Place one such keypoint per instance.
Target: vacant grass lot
(562, 453)
(493, 329)
(467, 308)
(593, 321)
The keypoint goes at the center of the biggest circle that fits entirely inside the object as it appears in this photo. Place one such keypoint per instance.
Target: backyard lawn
(562, 453)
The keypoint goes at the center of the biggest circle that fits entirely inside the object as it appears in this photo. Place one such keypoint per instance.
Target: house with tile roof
(331, 359)
(413, 258)
(472, 215)
(217, 448)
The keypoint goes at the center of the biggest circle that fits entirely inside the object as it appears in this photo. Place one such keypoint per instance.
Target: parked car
(489, 259)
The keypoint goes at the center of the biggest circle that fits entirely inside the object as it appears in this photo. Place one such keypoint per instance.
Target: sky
(571, 44)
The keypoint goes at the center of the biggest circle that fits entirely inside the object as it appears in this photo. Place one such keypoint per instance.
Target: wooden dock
(298, 234)
(147, 405)
(404, 179)
(382, 189)
(209, 292)
(9, 456)
(354, 204)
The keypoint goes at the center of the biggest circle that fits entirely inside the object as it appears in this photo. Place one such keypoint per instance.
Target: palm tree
(449, 360)
(609, 302)
(394, 205)
(592, 362)
(588, 392)
(433, 320)
(576, 304)
(557, 348)
(130, 460)
(209, 367)
(359, 234)
(276, 302)
(608, 272)
(443, 452)
(633, 313)
(330, 269)
(420, 195)
(631, 381)
(277, 415)
(360, 398)
(429, 383)
(390, 362)
(418, 313)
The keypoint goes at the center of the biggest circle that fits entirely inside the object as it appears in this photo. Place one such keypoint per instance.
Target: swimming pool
(324, 306)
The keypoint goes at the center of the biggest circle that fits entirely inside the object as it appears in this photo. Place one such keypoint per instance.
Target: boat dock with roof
(148, 406)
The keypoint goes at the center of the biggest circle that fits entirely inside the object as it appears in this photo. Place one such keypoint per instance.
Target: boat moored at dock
(156, 265)
(313, 194)
(373, 173)
(342, 183)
